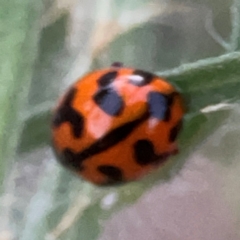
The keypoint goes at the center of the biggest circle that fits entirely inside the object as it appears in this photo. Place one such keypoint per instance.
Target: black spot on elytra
(107, 78)
(147, 78)
(117, 64)
(113, 174)
(145, 154)
(75, 160)
(66, 113)
(71, 160)
(174, 131)
(160, 105)
(109, 101)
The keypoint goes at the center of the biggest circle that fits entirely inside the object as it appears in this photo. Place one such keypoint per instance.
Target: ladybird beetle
(115, 125)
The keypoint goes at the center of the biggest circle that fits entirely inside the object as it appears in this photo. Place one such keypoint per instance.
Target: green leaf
(207, 82)
(36, 131)
(52, 63)
(235, 36)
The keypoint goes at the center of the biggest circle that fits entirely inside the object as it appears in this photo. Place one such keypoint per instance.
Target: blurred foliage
(47, 45)
(19, 39)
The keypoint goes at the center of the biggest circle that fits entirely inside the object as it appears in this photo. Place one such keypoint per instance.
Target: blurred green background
(46, 45)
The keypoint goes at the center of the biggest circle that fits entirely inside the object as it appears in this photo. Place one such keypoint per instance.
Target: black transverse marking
(66, 113)
(109, 101)
(174, 131)
(107, 78)
(114, 174)
(75, 160)
(160, 105)
(145, 154)
(147, 78)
